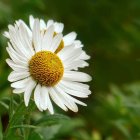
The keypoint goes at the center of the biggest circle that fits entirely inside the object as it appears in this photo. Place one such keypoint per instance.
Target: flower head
(45, 62)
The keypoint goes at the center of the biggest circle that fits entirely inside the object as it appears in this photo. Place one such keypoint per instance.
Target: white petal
(15, 76)
(54, 95)
(74, 55)
(31, 21)
(26, 40)
(16, 59)
(49, 104)
(72, 99)
(18, 38)
(84, 56)
(21, 84)
(83, 64)
(43, 25)
(78, 44)
(6, 34)
(75, 64)
(28, 91)
(37, 35)
(55, 42)
(76, 76)
(65, 51)
(16, 54)
(18, 90)
(37, 97)
(47, 39)
(81, 94)
(43, 98)
(49, 23)
(16, 67)
(23, 23)
(58, 27)
(69, 38)
(75, 85)
(16, 41)
(68, 102)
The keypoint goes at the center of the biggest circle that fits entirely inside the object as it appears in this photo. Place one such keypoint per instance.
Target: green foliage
(110, 31)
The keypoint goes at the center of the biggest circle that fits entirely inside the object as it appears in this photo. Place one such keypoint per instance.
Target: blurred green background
(110, 32)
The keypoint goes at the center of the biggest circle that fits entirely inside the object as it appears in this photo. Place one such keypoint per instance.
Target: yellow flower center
(46, 68)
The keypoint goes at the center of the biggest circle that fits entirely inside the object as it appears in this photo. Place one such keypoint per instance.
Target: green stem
(10, 115)
(11, 107)
(27, 121)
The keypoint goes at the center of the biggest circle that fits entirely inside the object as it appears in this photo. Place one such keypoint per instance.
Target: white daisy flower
(40, 65)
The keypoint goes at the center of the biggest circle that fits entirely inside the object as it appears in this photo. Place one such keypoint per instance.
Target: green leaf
(18, 117)
(24, 126)
(20, 112)
(4, 105)
(11, 106)
(9, 99)
(51, 119)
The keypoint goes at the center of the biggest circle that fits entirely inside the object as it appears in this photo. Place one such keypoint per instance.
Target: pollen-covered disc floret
(46, 68)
